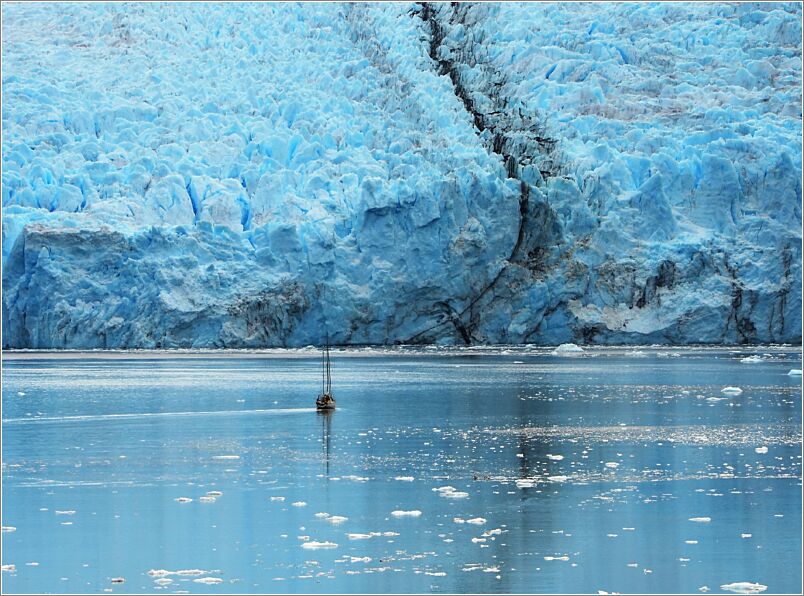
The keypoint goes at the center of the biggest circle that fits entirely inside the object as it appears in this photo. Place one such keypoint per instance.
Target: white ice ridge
(623, 173)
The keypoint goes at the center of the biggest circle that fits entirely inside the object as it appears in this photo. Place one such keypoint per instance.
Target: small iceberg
(731, 390)
(208, 580)
(751, 360)
(762, 449)
(744, 588)
(701, 520)
(313, 545)
(413, 513)
(565, 349)
(794, 372)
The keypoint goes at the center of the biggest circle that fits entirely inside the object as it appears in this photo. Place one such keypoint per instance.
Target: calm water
(614, 453)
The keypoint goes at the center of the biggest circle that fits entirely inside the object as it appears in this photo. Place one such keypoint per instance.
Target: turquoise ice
(248, 175)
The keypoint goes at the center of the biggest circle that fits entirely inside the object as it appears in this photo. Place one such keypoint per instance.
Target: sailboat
(325, 401)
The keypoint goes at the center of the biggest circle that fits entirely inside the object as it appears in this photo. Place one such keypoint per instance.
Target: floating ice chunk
(322, 515)
(360, 559)
(612, 464)
(455, 495)
(277, 498)
(557, 558)
(225, 457)
(745, 535)
(337, 519)
(731, 390)
(478, 539)
(762, 449)
(118, 580)
(22, 393)
(404, 478)
(299, 504)
(557, 478)
(478, 521)
(702, 520)
(459, 520)
(566, 349)
(358, 536)
(159, 572)
(354, 478)
(494, 532)
(182, 500)
(9, 528)
(794, 372)
(525, 483)
(690, 542)
(10, 568)
(163, 581)
(444, 489)
(214, 493)
(744, 588)
(435, 573)
(191, 572)
(208, 580)
(207, 499)
(314, 545)
(68, 512)
(32, 564)
(413, 513)
(751, 359)
(554, 457)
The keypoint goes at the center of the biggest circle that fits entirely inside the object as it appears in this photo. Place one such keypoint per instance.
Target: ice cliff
(247, 175)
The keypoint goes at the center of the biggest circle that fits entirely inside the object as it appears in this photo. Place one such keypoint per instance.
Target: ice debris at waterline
(564, 349)
(449, 173)
(731, 391)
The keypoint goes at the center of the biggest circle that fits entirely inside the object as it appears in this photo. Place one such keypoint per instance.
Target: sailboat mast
(323, 367)
(329, 374)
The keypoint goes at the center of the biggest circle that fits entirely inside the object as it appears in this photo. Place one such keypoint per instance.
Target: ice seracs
(636, 214)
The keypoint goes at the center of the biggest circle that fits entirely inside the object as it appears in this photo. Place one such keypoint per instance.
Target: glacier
(252, 175)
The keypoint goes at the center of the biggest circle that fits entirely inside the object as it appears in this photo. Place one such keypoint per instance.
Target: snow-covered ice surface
(107, 442)
(248, 175)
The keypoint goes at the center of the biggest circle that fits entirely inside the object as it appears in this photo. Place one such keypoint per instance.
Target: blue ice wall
(253, 175)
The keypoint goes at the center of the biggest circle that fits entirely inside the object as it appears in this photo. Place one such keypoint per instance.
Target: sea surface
(442, 470)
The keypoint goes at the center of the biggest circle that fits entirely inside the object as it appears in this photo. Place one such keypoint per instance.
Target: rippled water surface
(485, 470)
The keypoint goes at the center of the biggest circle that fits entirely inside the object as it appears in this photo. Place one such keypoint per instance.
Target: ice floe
(567, 349)
(314, 545)
(731, 390)
(208, 580)
(412, 513)
(702, 520)
(744, 587)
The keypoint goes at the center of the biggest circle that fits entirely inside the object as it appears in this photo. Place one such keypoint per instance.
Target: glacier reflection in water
(443, 470)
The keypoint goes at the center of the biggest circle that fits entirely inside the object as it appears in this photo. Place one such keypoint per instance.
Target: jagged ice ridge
(248, 175)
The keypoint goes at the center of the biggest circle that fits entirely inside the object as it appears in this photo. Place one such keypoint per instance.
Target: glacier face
(249, 175)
